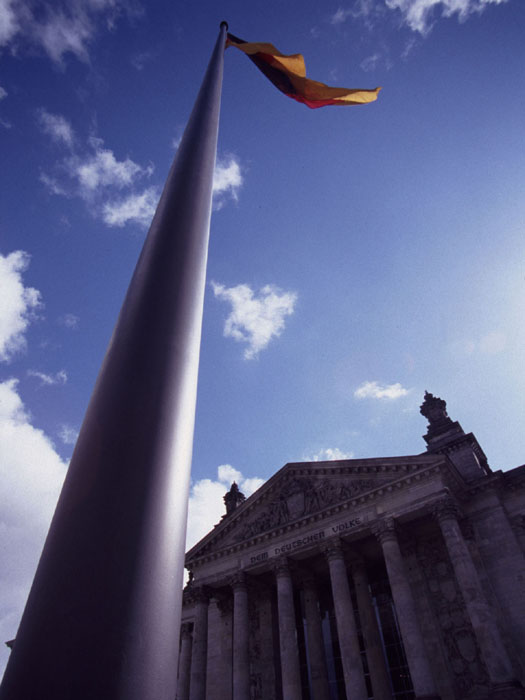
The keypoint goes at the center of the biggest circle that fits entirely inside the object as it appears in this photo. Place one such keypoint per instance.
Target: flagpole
(103, 615)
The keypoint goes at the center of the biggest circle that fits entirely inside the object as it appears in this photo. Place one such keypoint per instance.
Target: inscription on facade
(307, 540)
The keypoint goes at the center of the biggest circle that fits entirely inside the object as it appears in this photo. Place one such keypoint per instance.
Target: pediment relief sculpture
(302, 496)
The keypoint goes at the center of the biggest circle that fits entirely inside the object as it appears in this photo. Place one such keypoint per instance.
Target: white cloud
(374, 390)
(67, 434)
(255, 319)
(3, 93)
(328, 454)
(102, 169)
(31, 473)
(56, 126)
(227, 180)
(138, 208)
(18, 305)
(49, 379)
(98, 177)
(417, 14)
(60, 27)
(206, 504)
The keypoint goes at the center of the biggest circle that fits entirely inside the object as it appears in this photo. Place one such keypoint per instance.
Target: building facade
(386, 578)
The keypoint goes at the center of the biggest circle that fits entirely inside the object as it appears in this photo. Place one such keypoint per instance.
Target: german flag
(288, 74)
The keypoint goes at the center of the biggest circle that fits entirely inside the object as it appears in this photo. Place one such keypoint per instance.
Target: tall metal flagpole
(103, 615)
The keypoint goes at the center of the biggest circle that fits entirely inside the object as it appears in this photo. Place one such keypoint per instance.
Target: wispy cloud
(419, 15)
(255, 318)
(3, 93)
(59, 377)
(361, 9)
(206, 504)
(67, 434)
(138, 208)
(374, 390)
(328, 454)
(19, 304)
(31, 473)
(68, 320)
(59, 28)
(370, 62)
(56, 126)
(340, 15)
(492, 343)
(227, 180)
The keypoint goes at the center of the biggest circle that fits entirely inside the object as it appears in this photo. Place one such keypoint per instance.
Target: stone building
(397, 577)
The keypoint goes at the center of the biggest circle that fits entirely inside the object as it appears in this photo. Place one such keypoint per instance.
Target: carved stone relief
(470, 675)
(302, 496)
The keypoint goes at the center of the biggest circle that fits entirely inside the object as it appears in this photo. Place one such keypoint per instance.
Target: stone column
(314, 640)
(183, 682)
(418, 663)
(379, 676)
(291, 674)
(241, 636)
(355, 684)
(480, 614)
(200, 646)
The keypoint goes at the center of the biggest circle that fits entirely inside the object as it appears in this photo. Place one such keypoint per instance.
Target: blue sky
(358, 255)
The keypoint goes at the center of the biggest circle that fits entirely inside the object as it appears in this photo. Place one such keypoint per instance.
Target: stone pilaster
(379, 676)
(480, 613)
(355, 684)
(200, 645)
(291, 675)
(241, 634)
(418, 663)
(314, 639)
(183, 681)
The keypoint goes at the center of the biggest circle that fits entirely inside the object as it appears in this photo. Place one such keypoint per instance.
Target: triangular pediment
(305, 490)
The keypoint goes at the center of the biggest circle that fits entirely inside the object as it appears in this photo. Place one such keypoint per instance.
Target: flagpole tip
(224, 24)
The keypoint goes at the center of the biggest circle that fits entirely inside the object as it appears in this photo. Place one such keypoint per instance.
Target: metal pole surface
(102, 620)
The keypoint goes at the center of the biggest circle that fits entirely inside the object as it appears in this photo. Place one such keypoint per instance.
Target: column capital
(238, 581)
(445, 508)
(333, 549)
(385, 530)
(281, 566)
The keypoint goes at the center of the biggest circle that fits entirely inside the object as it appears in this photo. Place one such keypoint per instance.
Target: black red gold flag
(288, 74)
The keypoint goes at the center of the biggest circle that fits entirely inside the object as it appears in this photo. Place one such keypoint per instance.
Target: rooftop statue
(233, 498)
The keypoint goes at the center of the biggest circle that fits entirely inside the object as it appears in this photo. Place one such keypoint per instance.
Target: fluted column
(355, 684)
(481, 616)
(200, 646)
(291, 674)
(241, 635)
(314, 640)
(418, 663)
(379, 676)
(183, 682)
